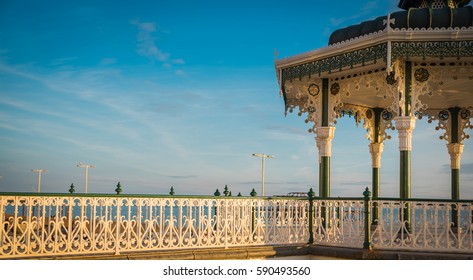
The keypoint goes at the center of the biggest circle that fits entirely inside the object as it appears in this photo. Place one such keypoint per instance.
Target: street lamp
(87, 166)
(262, 156)
(39, 177)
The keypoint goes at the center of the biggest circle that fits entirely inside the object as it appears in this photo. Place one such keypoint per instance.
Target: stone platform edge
(269, 252)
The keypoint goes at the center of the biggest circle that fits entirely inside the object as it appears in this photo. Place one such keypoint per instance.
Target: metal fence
(58, 224)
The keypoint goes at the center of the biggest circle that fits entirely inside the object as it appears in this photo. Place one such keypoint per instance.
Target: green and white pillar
(376, 149)
(455, 149)
(324, 137)
(405, 124)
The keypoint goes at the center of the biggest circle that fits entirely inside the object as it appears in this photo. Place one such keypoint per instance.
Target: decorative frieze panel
(363, 57)
(433, 49)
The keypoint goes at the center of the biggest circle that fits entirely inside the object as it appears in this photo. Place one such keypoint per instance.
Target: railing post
(216, 193)
(253, 215)
(367, 199)
(311, 216)
(117, 229)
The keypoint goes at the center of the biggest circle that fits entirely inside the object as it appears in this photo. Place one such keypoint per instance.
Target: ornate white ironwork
(431, 226)
(35, 226)
(443, 121)
(65, 225)
(397, 89)
(429, 80)
(465, 122)
(357, 84)
(308, 94)
(339, 222)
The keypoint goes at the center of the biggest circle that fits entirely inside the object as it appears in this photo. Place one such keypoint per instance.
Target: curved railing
(52, 224)
(64, 224)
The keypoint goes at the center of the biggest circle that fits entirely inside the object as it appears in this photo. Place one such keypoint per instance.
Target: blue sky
(181, 93)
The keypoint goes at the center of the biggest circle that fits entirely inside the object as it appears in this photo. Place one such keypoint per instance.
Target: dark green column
(405, 182)
(376, 148)
(405, 124)
(454, 139)
(455, 149)
(325, 178)
(324, 142)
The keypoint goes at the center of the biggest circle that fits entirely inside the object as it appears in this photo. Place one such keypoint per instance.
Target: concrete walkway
(293, 252)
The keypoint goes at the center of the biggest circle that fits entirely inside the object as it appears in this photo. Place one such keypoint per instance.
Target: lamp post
(87, 166)
(262, 156)
(40, 171)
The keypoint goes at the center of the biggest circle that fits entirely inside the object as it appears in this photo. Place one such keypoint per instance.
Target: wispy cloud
(146, 42)
(147, 46)
(108, 61)
(182, 176)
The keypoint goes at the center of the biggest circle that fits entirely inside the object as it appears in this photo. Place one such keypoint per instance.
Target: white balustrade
(66, 225)
(432, 226)
(52, 225)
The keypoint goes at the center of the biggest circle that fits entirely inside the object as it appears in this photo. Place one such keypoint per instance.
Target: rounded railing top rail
(143, 196)
(28, 194)
(423, 200)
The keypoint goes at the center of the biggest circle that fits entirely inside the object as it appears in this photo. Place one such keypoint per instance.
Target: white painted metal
(431, 227)
(67, 225)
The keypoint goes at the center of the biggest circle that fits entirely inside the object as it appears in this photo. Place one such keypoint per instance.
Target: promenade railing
(54, 224)
(36, 225)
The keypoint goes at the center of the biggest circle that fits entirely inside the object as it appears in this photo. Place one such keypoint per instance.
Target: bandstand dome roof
(417, 14)
(362, 66)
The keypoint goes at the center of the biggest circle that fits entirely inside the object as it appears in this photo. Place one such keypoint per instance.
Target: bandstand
(387, 73)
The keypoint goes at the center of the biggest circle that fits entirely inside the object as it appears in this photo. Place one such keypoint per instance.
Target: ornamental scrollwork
(390, 78)
(465, 122)
(362, 114)
(397, 90)
(442, 118)
(335, 88)
(305, 96)
(421, 75)
(440, 76)
(313, 89)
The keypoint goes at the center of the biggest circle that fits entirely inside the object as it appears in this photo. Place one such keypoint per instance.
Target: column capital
(324, 139)
(405, 125)
(455, 150)
(376, 149)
